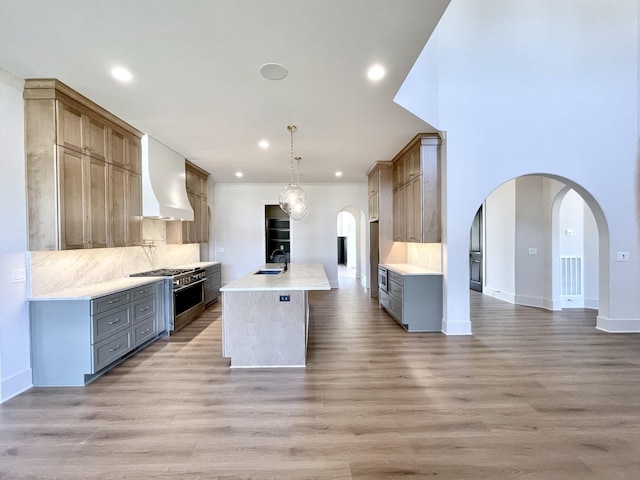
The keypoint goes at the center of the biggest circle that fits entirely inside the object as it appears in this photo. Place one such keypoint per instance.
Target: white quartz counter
(299, 276)
(407, 269)
(198, 265)
(89, 292)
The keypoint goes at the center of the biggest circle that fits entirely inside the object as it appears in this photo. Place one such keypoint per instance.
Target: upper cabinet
(416, 191)
(197, 231)
(83, 171)
(379, 176)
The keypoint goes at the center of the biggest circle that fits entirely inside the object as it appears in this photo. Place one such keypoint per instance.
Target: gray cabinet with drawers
(413, 300)
(213, 283)
(75, 340)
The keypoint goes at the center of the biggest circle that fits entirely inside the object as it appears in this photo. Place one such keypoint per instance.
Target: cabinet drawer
(143, 291)
(103, 304)
(143, 308)
(396, 277)
(144, 331)
(384, 300)
(111, 349)
(111, 322)
(395, 309)
(395, 290)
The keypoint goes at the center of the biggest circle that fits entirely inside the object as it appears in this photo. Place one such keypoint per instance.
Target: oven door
(382, 279)
(188, 303)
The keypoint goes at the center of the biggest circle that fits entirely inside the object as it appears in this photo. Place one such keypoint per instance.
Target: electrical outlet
(285, 298)
(533, 251)
(623, 256)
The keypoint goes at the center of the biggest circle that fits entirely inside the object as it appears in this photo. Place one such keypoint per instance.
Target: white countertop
(197, 265)
(408, 269)
(299, 276)
(89, 292)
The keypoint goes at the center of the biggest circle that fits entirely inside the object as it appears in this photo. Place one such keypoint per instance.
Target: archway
(351, 244)
(523, 254)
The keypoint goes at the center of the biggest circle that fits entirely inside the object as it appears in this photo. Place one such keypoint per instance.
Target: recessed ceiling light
(239, 174)
(121, 74)
(338, 174)
(376, 72)
(263, 144)
(273, 71)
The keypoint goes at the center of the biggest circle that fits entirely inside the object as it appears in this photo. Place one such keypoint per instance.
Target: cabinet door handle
(113, 301)
(142, 291)
(144, 309)
(146, 331)
(115, 321)
(114, 348)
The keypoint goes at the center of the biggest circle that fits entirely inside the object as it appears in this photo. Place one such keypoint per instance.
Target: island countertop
(299, 276)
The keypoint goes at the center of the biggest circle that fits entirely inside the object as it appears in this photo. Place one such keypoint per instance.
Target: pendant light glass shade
(292, 198)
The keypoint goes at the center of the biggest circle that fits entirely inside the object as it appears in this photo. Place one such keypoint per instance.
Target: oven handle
(179, 289)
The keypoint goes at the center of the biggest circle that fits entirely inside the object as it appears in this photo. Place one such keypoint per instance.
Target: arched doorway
(530, 257)
(350, 245)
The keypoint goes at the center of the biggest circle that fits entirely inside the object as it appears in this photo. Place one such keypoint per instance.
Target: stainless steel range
(184, 294)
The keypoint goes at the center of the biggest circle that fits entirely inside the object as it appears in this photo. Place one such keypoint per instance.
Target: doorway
(277, 235)
(346, 247)
(475, 253)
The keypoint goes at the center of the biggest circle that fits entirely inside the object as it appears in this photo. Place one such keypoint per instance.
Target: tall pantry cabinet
(83, 171)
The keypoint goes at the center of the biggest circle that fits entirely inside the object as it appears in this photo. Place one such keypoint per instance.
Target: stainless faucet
(280, 251)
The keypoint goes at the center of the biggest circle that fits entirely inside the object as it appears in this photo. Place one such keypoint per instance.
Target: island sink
(269, 271)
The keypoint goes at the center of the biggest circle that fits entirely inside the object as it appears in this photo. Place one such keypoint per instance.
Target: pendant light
(293, 200)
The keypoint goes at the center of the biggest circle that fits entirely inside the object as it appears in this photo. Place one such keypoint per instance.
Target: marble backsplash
(59, 270)
(427, 255)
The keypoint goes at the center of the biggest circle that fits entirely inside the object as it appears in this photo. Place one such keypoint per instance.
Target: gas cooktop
(164, 272)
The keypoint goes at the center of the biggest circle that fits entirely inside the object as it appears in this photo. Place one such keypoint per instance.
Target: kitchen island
(265, 316)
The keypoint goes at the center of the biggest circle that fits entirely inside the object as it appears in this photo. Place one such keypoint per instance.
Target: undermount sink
(269, 271)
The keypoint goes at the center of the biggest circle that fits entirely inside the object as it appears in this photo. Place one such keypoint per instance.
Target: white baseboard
(450, 327)
(499, 294)
(621, 325)
(15, 385)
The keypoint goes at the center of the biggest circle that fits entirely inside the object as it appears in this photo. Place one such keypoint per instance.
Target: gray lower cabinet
(75, 340)
(213, 283)
(414, 301)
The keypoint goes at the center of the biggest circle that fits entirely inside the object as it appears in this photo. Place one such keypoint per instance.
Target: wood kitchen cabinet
(82, 169)
(83, 200)
(416, 194)
(125, 197)
(197, 231)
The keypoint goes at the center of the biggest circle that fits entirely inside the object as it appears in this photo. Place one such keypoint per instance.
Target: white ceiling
(197, 86)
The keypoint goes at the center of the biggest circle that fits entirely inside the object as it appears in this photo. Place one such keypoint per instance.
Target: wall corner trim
(450, 327)
(15, 385)
(619, 325)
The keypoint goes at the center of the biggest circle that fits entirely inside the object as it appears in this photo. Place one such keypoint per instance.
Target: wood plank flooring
(532, 394)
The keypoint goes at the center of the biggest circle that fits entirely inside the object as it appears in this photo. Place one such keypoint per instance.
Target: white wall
(545, 86)
(533, 227)
(238, 218)
(15, 360)
(499, 248)
(591, 258)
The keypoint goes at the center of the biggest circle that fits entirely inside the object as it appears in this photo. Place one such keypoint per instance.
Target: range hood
(164, 187)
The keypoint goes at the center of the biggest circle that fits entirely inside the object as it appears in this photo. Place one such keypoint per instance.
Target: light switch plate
(533, 251)
(18, 275)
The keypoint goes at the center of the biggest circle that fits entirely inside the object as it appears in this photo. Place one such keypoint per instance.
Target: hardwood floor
(532, 394)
